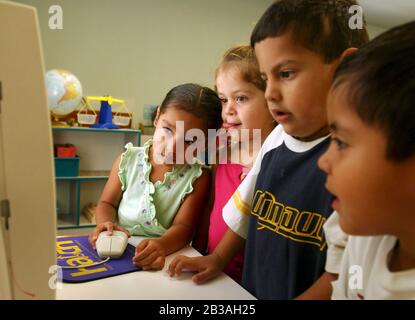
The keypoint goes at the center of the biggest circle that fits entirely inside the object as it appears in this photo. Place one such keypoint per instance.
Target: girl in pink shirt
(247, 123)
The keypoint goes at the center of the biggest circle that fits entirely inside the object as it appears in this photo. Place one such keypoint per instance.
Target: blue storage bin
(67, 167)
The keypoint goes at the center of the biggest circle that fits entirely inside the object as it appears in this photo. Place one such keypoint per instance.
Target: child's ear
(346, 53)
(156, 118)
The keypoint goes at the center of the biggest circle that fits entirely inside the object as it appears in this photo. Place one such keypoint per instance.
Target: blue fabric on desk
(76, 250)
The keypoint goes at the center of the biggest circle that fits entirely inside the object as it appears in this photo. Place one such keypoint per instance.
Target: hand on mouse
(150, 254)
(110, 227)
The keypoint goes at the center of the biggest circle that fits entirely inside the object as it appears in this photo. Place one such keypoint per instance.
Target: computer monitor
(27, 190)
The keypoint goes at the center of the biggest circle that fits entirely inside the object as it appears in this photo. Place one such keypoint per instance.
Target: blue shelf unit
(97, 149)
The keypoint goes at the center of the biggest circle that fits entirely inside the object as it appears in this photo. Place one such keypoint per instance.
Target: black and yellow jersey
(285, 247)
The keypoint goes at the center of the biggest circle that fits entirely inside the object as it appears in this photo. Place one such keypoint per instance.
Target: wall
(375, 30)
(139, 49)
(386, 13)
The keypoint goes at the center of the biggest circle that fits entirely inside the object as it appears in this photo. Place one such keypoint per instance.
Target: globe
(64, 92)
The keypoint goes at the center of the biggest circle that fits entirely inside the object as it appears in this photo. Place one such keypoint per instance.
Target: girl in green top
(158, 190)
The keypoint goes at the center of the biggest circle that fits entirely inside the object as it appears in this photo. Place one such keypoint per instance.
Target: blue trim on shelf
(78, 203)
(81, 178)
(82, 226)
(97, 130)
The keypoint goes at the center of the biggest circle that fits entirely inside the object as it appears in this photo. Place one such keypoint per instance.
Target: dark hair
(321, 26)
(200, 101)
(243, 58)
(380, 84)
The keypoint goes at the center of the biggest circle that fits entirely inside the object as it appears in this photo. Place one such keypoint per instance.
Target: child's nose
(229, 107)
(173, 144)
(324, 162)
(272, 91)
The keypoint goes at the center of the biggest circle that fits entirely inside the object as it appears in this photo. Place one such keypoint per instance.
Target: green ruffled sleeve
(197, 170)
(124, 163)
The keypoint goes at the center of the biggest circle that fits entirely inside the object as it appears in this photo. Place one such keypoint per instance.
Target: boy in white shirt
(371, 167)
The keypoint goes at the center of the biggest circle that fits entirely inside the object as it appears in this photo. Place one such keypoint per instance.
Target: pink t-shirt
(227, 180)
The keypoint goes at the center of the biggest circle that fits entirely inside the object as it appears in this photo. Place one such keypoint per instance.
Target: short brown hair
(380, 83)
(321, 26)
(243, 58)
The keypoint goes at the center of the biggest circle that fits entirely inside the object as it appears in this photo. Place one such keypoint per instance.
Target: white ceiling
(388, 13)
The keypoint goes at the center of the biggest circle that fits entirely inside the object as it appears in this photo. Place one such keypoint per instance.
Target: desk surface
(155, 285)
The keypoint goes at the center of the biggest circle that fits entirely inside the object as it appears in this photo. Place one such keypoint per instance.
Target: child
(244, 108)
(282, 204)
(371, 167)
(152, 193)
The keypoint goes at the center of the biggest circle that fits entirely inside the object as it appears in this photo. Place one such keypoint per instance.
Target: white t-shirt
(364, 272)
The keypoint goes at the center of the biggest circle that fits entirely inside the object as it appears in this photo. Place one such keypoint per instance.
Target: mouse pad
(76, 250)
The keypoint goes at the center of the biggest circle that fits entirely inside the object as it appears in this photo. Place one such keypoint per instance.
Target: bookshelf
(97, 149)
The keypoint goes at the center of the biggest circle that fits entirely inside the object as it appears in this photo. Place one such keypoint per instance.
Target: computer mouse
(111, 246)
